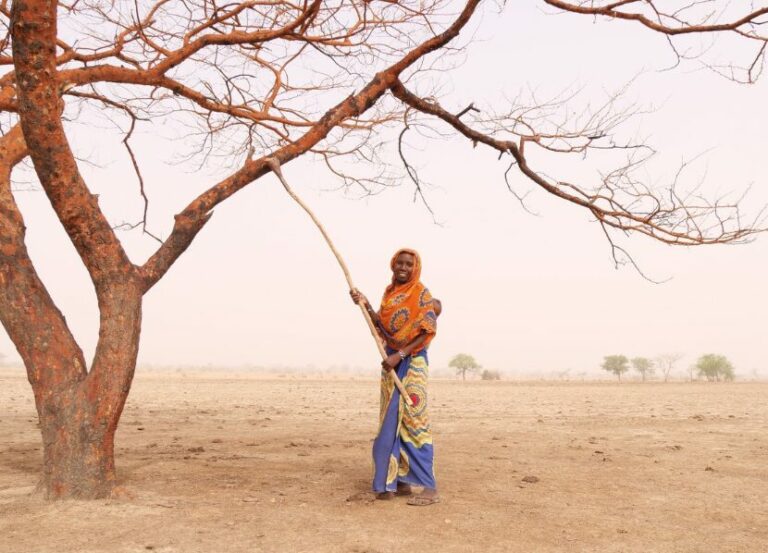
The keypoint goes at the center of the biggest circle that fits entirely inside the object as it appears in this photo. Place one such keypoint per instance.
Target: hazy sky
(520, 292)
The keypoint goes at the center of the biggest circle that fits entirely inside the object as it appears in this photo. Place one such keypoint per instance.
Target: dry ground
(228, 463)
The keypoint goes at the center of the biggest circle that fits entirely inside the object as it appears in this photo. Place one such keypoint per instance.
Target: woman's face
(403, 267)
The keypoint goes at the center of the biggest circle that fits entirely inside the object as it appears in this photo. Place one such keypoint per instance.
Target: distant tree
(616, 364)
(463, 364)
(666, 362)
(644, 366)
(490, 375)
(715, 367)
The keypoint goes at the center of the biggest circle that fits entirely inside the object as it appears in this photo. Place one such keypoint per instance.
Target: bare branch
(410, 170)
(698, 17)
(197, 213)
(620, 201)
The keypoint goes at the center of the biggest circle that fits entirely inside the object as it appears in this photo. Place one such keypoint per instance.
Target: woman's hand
(391, 362)
(358, 297)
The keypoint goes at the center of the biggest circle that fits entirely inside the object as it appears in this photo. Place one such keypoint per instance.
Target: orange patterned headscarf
(406, 309)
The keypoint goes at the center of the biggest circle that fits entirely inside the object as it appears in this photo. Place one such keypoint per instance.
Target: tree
(263, 84)
(666, 362)
(616, 364)
(643, 365)
(463, 364)
(714, 367)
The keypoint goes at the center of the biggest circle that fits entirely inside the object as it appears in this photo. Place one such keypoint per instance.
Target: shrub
(490, 375)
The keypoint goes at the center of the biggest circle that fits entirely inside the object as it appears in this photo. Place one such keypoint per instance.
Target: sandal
(423, 501)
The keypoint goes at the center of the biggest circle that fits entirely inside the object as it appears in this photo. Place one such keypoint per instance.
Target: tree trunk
(78, 410)
(79, 459)
(79, 425)
(78, 449)
(78, 422)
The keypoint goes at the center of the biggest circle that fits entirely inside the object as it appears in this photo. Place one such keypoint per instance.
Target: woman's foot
(403, 489)
(426, 497)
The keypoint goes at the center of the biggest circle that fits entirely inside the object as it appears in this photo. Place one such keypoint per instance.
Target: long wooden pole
(275, 166)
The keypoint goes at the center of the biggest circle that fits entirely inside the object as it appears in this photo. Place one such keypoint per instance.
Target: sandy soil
(243, 464)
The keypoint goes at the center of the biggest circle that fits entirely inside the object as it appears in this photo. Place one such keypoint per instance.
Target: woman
(402, 450)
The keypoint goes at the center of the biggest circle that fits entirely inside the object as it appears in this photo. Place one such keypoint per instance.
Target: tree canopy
(615, 364)
(644, 366)
(464, 363)
(715, 367)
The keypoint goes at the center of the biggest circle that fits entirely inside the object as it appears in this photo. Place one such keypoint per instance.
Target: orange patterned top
(406, 309)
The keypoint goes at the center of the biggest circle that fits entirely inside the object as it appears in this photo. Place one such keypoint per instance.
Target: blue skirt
(402, 450)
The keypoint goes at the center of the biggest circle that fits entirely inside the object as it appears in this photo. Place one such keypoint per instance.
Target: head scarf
(406, 309)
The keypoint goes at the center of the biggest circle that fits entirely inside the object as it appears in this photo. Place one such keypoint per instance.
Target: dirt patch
(244, 464)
